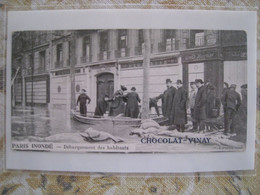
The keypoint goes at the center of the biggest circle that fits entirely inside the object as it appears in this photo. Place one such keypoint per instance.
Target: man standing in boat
(82, 101)
(132, 98)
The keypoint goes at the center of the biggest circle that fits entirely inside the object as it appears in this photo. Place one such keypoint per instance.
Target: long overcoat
(200, 104)
(211, 103)
(179, 107)
(132, 109)
(167, 100)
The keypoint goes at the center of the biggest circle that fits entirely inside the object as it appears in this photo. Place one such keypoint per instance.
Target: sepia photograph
(129, 90)
(133, 93)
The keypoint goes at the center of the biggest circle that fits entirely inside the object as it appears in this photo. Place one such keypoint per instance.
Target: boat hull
(92, 120)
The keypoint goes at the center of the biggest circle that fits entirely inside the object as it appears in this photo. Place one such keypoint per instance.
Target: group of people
(201, 100)
(120, 103)
(204, 105)
(124, 103)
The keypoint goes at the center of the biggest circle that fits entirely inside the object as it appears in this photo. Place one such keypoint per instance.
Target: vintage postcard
(95, 87)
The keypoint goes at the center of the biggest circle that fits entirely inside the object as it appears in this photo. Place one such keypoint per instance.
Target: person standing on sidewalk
(200, 105)
(231, 102)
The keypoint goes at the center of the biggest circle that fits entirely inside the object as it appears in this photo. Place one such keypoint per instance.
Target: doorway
(105, 85)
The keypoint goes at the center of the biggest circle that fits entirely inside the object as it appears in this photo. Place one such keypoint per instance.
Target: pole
(72, 56)
(146, 73)
(32, 69)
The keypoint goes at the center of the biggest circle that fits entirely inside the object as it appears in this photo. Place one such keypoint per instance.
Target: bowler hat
(178, 82)
(244, 86)
(233, 86)
(133, 88)
(168, 81)
(198, 81)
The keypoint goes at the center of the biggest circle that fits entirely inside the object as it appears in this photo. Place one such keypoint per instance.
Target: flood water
(43, 122)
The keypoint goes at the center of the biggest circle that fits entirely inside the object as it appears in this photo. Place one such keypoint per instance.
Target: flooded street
(43, 122)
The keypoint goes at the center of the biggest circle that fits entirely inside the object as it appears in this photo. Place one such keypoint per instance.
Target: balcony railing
(41, 69)
(163, 48)
(58, 64)
(123, 52)
(103, 55)
(139, 50)
(85, 59)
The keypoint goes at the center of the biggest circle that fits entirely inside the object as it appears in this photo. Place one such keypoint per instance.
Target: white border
(157, 19)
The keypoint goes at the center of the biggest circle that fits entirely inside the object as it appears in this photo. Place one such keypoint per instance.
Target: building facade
(102, 60)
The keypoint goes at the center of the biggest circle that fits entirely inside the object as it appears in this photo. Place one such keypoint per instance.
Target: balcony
(85, 59)
(103, 55)
(58, 64)
(41, 70)
(162, 47)
(123, 52)
(139, 50)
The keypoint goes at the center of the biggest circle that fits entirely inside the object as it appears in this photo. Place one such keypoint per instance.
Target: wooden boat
(91, 119)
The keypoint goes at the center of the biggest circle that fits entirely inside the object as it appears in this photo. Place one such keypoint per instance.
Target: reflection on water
(43, 122)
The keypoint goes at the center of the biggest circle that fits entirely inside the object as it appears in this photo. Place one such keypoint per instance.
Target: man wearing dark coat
(82, 101)
(231, 102)
(211, 101)
(179, 110)
(167, 100)
(101, 106)
(192, 97)
(132, 109)
(242, 113)
(200, 105)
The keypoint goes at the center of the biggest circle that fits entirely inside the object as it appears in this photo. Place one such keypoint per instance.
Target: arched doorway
(105, 85)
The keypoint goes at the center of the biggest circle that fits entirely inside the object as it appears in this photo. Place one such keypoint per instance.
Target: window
(86, 47)
(122, 42)
(170, 40)
(185, 36)
(69, 53)
(199, 39)
(103, 41)
(141, 41)
(31, 64)
(42, 61)
(59, 53)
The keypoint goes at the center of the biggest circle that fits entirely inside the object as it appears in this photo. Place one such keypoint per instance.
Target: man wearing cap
(179, 110)
(192, 97)
(231, 102)
(200, 105)
(167, 99)
(132, 108)
(82, 100)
